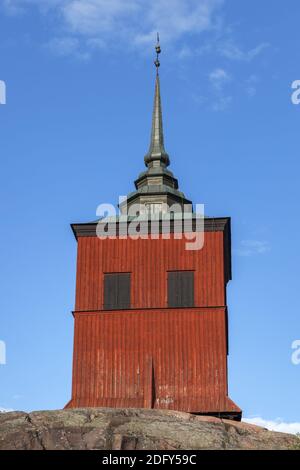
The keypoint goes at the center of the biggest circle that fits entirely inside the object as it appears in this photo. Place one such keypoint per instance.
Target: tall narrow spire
(156, 187)
(156, 152)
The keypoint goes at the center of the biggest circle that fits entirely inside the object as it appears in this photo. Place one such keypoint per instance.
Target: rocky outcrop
(114, 429)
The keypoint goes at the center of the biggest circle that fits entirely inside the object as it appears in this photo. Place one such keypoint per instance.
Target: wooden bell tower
(151, 326)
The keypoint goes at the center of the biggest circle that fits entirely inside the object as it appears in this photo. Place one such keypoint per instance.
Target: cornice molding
(211, 224)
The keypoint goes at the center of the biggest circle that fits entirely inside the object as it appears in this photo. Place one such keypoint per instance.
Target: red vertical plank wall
(185, 348)
(149, 261)
(151, 355)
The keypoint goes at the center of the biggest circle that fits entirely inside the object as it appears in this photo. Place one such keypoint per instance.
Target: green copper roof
(157, 149)
(156, 184)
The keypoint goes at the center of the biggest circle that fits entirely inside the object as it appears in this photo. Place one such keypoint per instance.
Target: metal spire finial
(156, 150)
(156, 187)
(158, 51)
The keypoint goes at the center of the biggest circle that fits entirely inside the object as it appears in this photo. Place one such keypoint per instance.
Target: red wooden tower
(151, 325)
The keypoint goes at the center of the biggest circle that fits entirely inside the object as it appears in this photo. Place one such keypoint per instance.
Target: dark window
(181, 289)
(116, 291)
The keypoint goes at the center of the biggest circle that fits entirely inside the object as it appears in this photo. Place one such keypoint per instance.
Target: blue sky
(80, 79)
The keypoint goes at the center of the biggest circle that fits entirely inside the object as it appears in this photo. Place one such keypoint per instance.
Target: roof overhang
(211, 224)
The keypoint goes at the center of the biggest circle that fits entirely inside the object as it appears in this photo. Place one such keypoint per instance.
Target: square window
(116, 291)
(181, 289)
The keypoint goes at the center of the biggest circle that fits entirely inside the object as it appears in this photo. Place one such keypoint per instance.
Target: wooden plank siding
(118, 353)
(150, 355)
(149, 261)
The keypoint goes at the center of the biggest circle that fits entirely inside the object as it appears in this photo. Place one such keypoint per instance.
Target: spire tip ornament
(158, 51)
(156, 188)
(156, 152)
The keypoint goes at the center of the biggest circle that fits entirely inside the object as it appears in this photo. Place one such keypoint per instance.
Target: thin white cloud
(252, 247)
(221, 103)
(87, 25)
(251, 85)
(64, 46)
(251, 91)
(135, 21)
(92, 17)
(95, 43)
(12, 7)
(277, 425)
(15, 7)
(218, 78)
(5, 410)
(232, 51)
(178, 17)
(185, 52)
